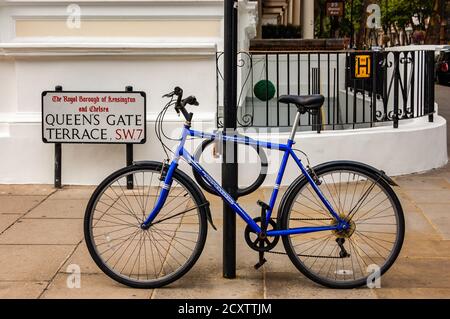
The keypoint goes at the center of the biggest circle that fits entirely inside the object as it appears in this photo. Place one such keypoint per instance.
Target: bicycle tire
(241, 191)
(202, 209)
(288, 202)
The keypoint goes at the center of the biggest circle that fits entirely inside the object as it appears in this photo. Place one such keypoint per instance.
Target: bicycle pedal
(260, 263)
(263, 205)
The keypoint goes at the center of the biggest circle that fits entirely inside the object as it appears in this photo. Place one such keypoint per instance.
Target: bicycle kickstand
(261, 261)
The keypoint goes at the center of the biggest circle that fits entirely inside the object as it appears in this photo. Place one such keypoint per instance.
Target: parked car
(442, 66)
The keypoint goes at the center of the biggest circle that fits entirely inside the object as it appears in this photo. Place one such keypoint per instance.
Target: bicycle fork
(162, 196)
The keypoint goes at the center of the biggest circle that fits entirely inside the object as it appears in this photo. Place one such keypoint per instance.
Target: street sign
(94, 117)
(361, 66)
(335, 8)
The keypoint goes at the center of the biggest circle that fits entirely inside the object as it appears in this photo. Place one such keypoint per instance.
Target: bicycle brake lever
(176, 91)
(193, 101)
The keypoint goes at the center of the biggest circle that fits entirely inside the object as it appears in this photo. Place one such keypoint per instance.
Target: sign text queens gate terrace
(93, 117)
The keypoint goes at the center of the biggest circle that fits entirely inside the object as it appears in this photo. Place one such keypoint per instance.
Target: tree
(361, 34)
(397, 16)
(342, 27)
(434, 34)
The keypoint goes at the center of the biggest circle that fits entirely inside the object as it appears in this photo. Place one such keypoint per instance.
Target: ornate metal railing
(401, 87)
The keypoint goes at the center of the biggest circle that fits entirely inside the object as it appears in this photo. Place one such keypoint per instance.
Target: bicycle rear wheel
(344, 259)
(145, 258)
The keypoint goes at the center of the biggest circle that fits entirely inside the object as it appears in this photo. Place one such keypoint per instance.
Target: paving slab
(44, 231)
(418, 273)
(439, 216)
(296, 286)
(247, 285)
(19, 204)
(92, 287)
(6, 220)
(59, 208)
(430, 196)
(279, 263)
(74, 192)
(406, 202)
(418, 226)
(210, 261)
(413, 293)
(40, 190)
(32, 262)
(57, 223)
(21, 289)
(422, 183)
(425, 248)
(442, 173)
(83, 259)
(436, 171)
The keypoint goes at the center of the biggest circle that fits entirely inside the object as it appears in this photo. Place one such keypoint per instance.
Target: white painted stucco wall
(180, 50)
(154, 65)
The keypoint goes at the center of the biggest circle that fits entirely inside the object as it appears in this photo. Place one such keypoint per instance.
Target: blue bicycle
(336, 220)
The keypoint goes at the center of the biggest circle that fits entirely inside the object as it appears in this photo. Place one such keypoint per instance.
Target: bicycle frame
(288, 152)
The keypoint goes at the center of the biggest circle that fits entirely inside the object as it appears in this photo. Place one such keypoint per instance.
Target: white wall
(154, 64)
(30, 66)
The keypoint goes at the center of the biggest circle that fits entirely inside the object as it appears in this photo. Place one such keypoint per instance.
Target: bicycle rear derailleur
(261, 242)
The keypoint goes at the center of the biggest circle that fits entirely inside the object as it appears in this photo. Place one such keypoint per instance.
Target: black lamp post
(352, 30)
(229, 162)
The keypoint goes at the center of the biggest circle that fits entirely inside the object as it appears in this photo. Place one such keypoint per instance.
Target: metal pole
(429, 87)
(58, 156)
(229, 164)
(58, 160)
(129, 153)
(352, 31)
(396, 87)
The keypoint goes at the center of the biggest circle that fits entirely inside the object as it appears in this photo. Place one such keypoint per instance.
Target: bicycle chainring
(261, 242)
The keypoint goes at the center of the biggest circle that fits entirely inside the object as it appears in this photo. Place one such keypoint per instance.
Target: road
(443, 100)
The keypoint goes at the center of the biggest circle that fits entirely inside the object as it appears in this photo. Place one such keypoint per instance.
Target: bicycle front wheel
(134, 256)
(350, 258)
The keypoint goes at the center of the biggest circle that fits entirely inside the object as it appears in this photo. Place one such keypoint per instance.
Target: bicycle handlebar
(191, 100)
(181, 103)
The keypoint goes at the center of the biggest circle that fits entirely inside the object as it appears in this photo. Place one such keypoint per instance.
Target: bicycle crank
(261, 242)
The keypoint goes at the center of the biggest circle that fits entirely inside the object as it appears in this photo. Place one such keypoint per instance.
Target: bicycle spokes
(140, 254)
(346, 254)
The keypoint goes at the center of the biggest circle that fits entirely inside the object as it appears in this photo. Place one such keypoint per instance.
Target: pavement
(41, 243)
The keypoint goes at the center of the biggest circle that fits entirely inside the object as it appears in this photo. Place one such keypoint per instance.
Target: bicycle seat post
(294, 126)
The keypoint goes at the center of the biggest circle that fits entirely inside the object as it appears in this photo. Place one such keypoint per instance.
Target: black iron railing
(401, 87)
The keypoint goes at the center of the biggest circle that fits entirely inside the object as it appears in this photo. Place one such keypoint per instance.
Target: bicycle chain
(301, 255)
(313, 256)
(311, 219)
